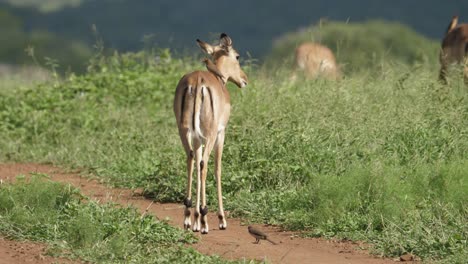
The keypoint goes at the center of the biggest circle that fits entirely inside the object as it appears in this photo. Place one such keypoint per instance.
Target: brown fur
(202, 108)
(317, 60)
(454, 48)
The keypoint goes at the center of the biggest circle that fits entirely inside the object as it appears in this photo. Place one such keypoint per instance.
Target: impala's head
(226, 59)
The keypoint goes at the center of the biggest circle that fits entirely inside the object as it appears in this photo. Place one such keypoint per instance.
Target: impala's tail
(199, 94)
(196, 106)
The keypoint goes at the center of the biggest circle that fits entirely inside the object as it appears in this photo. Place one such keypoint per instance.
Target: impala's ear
(206, 47)
(452, 25)
(225, 40)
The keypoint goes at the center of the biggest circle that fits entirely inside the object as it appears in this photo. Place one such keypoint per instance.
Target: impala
(202, 108)
(316, 60)
(454, 48)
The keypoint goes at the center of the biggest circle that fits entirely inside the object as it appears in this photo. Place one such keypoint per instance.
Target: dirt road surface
(232, 243)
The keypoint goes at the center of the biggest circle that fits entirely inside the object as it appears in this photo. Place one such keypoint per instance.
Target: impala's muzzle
(243, 80)
(243, 83)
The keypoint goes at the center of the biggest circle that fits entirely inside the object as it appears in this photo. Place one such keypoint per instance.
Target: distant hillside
(39, 46)
(44, 5)
(253, 25)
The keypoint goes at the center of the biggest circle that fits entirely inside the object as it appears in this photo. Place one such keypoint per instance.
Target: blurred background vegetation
(61, 30)
(359, 46)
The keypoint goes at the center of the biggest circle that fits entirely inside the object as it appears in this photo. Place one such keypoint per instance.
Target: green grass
(380, 156)
(76, 227)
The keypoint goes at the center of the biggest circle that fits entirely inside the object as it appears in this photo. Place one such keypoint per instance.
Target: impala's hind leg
(198, 157)
(204, 170)
(185, 137)
(218, 156)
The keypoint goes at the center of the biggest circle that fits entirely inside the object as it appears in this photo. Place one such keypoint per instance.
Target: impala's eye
(237, 57)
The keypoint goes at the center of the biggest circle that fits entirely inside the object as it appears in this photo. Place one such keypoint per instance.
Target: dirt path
(233, 243)
(26, 252)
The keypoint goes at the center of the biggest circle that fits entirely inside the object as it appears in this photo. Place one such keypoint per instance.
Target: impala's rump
(196, 104)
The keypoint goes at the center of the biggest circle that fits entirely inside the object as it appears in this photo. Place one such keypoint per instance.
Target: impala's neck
(219, 62)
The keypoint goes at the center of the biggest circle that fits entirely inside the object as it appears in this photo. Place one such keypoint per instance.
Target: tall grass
(380, 156)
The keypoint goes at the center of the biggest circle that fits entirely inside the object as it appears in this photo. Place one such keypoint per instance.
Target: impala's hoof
(204, 223)
(222, 222)
(196, 226)
(187, 221)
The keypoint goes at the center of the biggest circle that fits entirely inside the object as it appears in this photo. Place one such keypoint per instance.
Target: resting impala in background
(316, 60)
(454, 48)
(202, 108)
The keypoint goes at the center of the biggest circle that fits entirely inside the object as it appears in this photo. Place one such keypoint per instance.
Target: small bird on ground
(259, 235)
(213, 69)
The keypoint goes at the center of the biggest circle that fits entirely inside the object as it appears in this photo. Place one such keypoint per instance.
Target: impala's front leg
(218, 155)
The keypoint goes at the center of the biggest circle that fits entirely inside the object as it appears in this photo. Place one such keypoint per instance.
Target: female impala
(454, 48)
(202, 107)
(316, 60)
